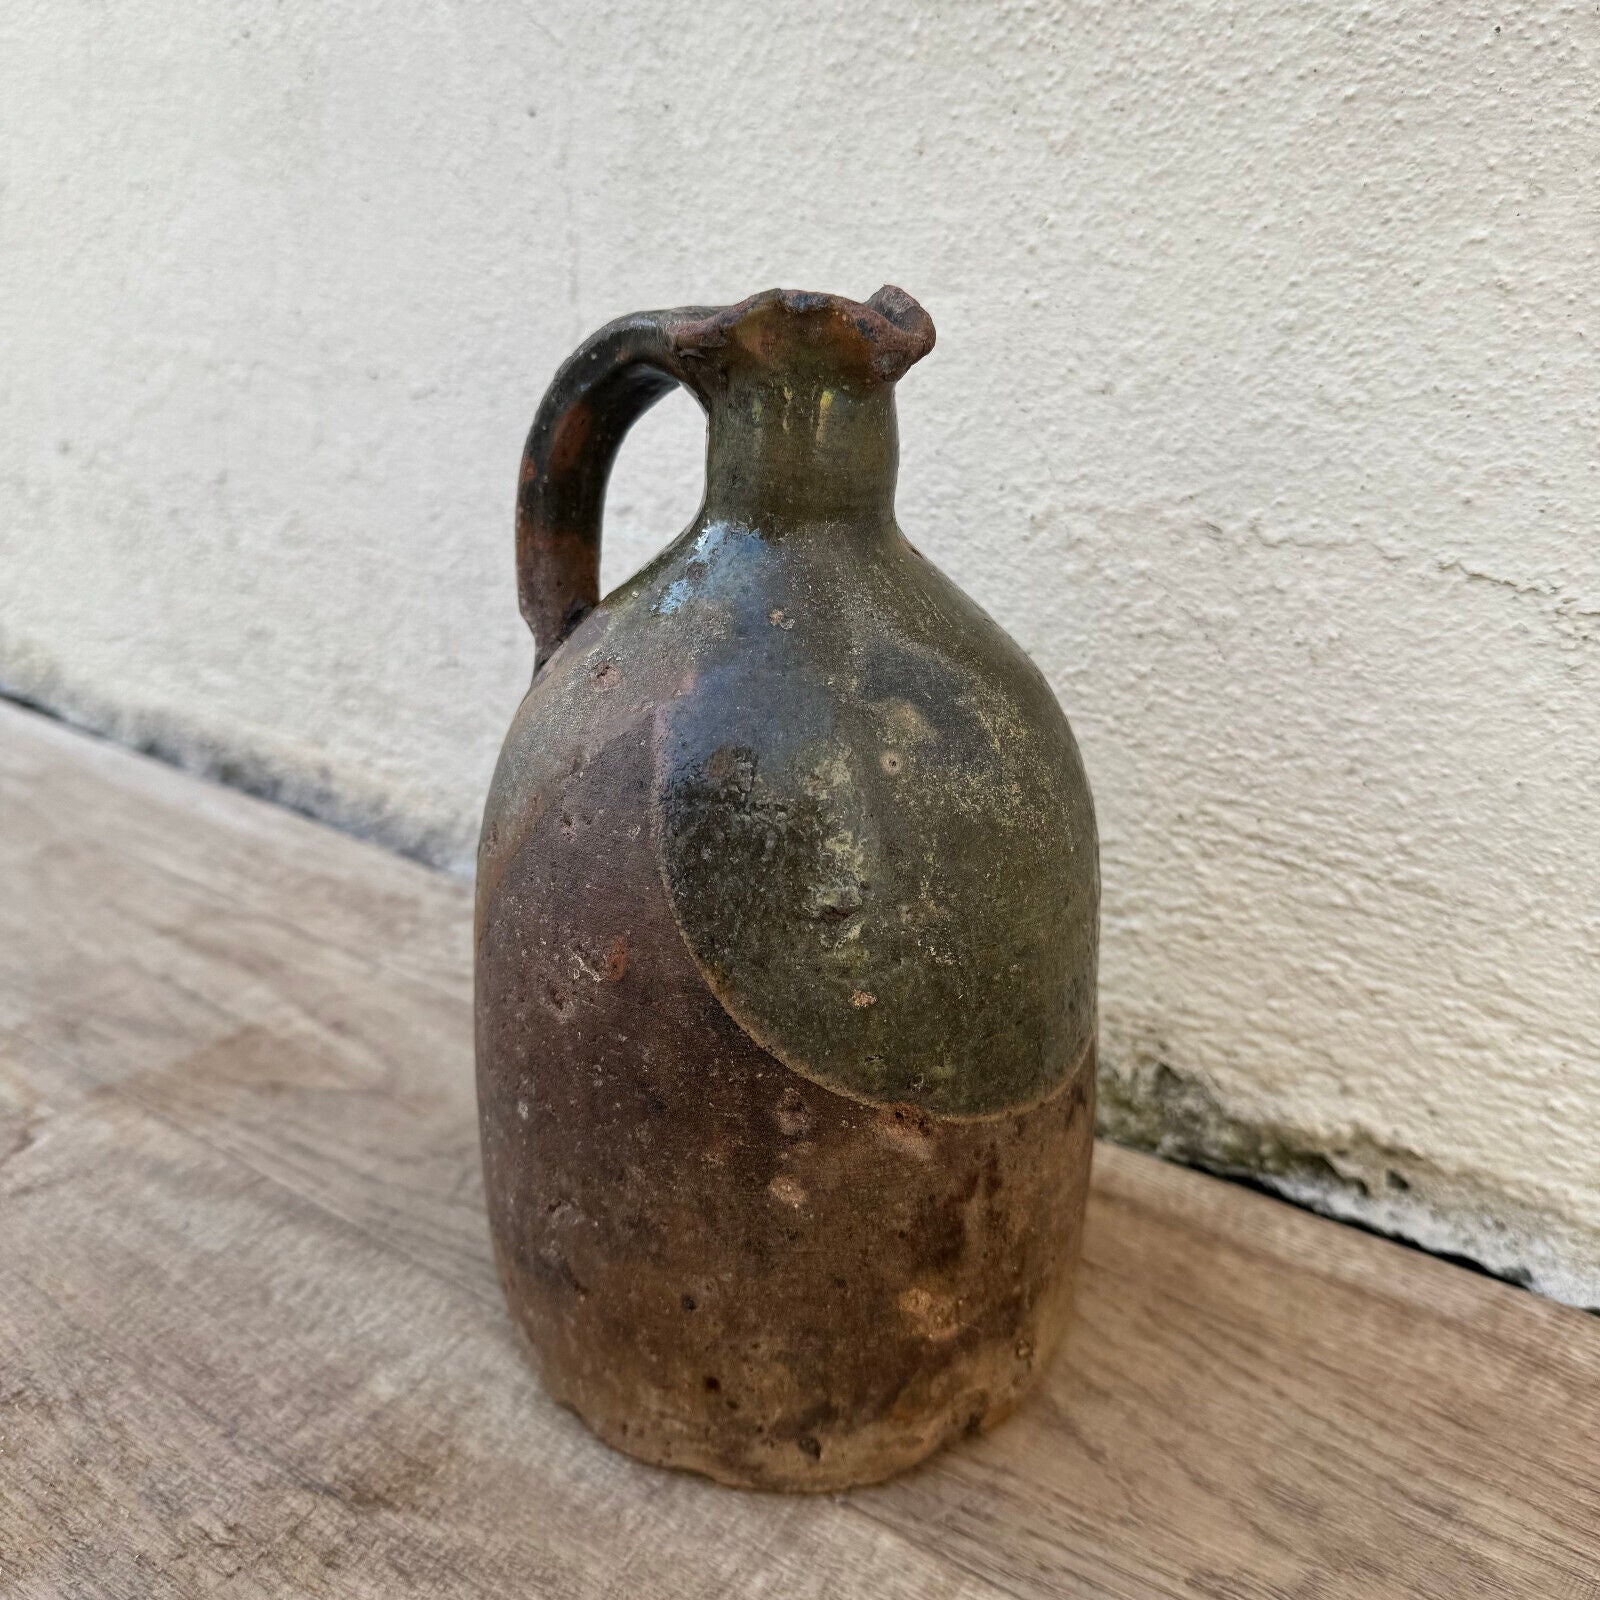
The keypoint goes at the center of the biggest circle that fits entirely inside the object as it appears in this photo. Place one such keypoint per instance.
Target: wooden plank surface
(251, 1342)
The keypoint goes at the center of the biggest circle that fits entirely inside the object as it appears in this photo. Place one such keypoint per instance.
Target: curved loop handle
(602, 389)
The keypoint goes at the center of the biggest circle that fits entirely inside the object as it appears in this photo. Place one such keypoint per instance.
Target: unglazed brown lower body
(720, 1264)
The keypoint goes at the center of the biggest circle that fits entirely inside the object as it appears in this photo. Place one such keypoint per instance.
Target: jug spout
(798, 332)
(799, 390)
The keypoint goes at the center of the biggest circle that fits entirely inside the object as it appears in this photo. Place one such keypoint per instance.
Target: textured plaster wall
(1265, 412)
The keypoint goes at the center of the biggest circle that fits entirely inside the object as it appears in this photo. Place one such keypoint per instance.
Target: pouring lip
(879, 338)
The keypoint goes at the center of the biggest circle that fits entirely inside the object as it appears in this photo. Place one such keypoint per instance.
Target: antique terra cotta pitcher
(786, 937)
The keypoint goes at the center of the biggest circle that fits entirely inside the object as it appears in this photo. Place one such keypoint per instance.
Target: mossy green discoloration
(1157, 1109)
(1353, 1176)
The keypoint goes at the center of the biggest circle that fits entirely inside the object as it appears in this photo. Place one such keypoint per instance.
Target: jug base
(988, 1392)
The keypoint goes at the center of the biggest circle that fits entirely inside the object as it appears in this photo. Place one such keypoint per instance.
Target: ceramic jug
(787, 920)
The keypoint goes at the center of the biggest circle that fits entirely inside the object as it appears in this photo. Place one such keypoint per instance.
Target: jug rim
(882, 336)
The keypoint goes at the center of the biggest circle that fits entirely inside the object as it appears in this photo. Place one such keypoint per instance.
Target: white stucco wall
(1265, 413)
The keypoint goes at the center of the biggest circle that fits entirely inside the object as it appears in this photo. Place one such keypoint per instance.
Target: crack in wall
(1568, 614)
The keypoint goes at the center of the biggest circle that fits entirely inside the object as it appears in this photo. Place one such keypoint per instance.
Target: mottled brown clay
(787, 920)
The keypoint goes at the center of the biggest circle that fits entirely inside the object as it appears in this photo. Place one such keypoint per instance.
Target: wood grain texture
(251, 1343)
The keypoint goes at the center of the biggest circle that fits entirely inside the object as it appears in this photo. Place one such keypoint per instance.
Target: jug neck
(793, 450)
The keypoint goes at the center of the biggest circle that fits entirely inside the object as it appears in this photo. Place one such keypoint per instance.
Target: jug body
(786, 940)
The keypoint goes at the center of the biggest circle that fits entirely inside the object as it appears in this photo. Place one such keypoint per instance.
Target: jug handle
(602, 389)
